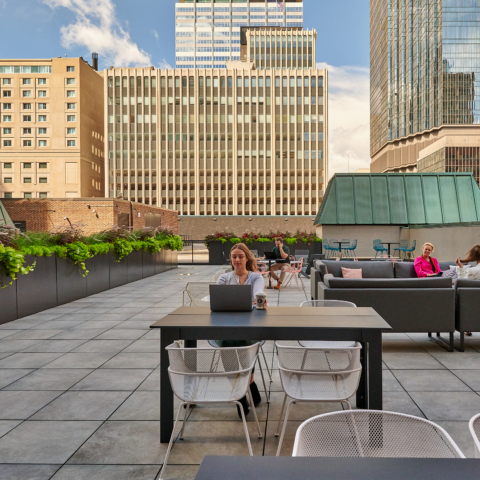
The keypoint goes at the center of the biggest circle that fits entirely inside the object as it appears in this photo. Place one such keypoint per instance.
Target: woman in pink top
(425, 265)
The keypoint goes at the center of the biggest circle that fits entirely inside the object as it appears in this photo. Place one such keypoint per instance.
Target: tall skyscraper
(425, 85)
(207, 32)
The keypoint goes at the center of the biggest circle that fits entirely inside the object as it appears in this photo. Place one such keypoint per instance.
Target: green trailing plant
(78, 252)
(249, 237)
(13, 261)
(122, 248)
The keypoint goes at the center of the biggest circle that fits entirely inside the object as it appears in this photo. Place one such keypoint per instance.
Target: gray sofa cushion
(405, 270)
(465, 283)
(436, 282)
(369, 269)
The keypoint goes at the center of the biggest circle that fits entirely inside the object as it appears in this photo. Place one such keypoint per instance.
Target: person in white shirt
(472, 273)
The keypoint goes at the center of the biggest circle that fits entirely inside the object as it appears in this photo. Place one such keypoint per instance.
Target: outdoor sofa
(467, 311)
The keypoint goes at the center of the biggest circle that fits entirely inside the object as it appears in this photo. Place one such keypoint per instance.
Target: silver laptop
(231, 298)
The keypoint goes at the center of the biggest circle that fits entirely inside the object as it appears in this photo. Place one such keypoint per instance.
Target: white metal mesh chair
(198, 293)
(317, 375)
(474, 426)
(373, 433)
(208, 376)
(326, 303)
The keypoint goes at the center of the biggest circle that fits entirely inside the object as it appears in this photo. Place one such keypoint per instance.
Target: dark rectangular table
(363, 325)
(324, 468)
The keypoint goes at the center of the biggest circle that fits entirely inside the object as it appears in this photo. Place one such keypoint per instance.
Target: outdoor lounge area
(80, 389)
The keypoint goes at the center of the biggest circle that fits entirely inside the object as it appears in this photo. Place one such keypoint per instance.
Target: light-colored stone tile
(50, 379)
(21, 405)
(113, 379)
(80, 360)
(107, 472)
(30, 472)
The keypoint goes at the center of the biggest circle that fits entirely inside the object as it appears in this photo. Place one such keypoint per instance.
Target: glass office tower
(207, 32)
(425, 82)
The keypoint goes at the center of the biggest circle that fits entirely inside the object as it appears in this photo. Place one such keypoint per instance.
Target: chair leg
(184, 421)
(462, 341)
(266, 363)
(170, 444)
(239, 405)
(283, 429)
(281, 415)
(254, 412)
(263, 380)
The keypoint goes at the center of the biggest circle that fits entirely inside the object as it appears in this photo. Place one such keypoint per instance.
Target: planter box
(70, 284)
(8, 299)
(160, 262)
(118, 270)
(215, 252)
(135, 265)
(98, 278)
(148, 262)
(37, 291)
(174, 258)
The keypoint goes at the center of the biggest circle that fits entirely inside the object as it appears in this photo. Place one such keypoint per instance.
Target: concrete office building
(51, 129)
(233, 141)
(207, 32)
(425, 86)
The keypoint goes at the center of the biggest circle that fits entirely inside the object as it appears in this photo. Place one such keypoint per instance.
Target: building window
(8, 195)
(27, 143)
(27, 180)
(7, 180)
(26, 81)
(42, 180)
(42, 106)
(42, 195)
(70, 81)
(70, 143)
(7, 118)
(71, 131)
(7, 93)
(70, 118)
(27, 93)
(7, 143)
(7, 131)
(7, 81)
(7, 165)
(27, 131)
(70, 69)
(42, 93)
(27, 118)
(27, 106)
(27, 165)
(42, 165)
(42, 143)
(70, 93)
(42, 131)
(70, 106)
(7, 106)
(42, 81)
(27, 195)
(42, 118)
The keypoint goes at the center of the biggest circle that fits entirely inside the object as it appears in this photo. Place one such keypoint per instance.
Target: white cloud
(349, 117)
(164, 65)
(156, 35)
(97, 28)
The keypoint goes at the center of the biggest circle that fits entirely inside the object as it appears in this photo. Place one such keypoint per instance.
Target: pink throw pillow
(352, 272)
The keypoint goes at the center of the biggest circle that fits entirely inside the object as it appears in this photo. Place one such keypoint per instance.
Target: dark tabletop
(307, 317)
(324, 468)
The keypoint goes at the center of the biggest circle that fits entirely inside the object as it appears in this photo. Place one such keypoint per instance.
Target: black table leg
(362, 386)
(167, 336)
(270, 276)
(374, 400)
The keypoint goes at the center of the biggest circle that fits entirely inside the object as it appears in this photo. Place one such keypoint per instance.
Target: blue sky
(142, 32)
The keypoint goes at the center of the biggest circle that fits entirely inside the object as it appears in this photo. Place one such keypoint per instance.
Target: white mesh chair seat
(373, 433)
(474, 426)
(317, 375)
(325, 344)
(210, 375)
(198, 293)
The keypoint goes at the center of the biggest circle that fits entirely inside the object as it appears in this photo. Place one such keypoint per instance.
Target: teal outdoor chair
(402, 248)
(409, 251)
(350, 249)
(333, 246)
(379, 247)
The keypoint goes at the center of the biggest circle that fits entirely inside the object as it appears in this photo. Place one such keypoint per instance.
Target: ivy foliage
(12, 262)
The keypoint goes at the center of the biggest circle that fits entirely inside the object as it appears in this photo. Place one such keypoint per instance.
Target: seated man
(282, 263)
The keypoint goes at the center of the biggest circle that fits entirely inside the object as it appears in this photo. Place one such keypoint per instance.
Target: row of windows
(40, 81)
(26, 180)
(41, 143)
(9, 165)
(41, 131)
(241, 81)
(26, 195)
(41, 118)
(28, 93)
(40, 106)
(27, 69)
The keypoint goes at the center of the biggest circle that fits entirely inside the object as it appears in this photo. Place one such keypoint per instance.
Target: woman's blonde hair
(473, 255)
(251, 262)
(429, 244)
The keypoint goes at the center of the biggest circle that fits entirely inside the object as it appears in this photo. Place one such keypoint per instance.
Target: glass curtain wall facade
(218, 142)
(425, 67)
(207, 32)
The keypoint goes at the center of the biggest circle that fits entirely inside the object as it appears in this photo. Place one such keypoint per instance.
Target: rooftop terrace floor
(80, 387)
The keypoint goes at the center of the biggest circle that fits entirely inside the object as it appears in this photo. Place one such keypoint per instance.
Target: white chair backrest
(474, 426)
(199, 292)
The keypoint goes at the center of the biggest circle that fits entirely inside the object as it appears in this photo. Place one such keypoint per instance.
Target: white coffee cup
(261, 299)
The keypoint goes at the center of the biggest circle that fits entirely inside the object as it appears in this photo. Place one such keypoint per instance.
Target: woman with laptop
(244, 273)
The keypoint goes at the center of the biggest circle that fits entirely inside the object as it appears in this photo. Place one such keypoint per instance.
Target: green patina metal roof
(400, 199)
(4, 216)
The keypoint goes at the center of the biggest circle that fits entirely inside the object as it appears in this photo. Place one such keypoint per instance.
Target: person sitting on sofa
(425, 265)
(472, 273)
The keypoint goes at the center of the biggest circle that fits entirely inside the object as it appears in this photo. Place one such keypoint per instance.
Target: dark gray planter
(8, 298)
(98, 278)
(215, 252)
(37, 291)
(118, 270)
(135, 266)
(148, 262)
(71, 285)
(174, 258)
(160, 265)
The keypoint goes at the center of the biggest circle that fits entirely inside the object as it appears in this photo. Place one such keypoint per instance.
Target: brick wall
(199, 227)
(96, 214)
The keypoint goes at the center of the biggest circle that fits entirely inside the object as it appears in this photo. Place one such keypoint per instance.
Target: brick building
(95, 214)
